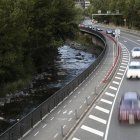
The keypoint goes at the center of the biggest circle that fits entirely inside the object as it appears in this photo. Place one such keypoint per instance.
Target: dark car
(98, 29)
(113, 33)
(109, 31)
(129, 109)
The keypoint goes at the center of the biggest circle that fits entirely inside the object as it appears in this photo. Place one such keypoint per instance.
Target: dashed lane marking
(109, 94)
(94, 131)
(118, 77)
(122, 66)
(111, 87)
(97, 119)
(75, 139)
(102, 109)
(120, 73)
(36, 133)
(44, 125)
(121, 70)
(106, 101)
(55, 135)
(114, 82)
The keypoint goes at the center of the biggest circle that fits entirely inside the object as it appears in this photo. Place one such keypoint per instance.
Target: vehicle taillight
(123, 115)
(138, 115)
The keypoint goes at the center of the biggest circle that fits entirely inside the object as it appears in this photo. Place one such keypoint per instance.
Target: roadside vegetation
(28, 29)
(130, 10)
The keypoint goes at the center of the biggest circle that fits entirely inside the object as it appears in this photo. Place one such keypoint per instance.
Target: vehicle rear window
(134, 67)
(131, 103)
(137, 49)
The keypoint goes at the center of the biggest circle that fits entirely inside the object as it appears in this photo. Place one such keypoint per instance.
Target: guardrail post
(62, 132)
(76, 114)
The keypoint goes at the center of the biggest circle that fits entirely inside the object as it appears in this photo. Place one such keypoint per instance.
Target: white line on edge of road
(109, 120)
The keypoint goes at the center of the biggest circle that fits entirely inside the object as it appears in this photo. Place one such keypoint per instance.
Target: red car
(129, 109)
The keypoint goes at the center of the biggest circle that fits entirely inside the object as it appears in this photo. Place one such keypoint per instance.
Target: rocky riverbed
(69, 62)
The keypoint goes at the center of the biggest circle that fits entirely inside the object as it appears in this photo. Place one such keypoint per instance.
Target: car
(135, 52)
(113, 33)
(109, 31)
(88, 23)
(98, 29)
(129, 108)
(133, 70)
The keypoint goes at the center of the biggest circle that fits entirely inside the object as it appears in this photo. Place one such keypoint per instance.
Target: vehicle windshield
(137, 49)
(134, 67)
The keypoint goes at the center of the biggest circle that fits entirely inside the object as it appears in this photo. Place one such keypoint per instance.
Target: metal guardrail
(19, 129)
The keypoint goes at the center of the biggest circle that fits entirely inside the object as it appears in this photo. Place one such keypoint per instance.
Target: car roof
(134, 63)
(130, 96)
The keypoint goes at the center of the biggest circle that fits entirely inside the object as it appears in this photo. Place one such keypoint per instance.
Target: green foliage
(129, 8)
(28, 27)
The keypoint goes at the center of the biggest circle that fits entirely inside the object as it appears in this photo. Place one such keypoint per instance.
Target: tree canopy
(27, 27)
(130, 10)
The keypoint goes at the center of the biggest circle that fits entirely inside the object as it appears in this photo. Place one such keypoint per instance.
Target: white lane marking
(120, 73)
(121, 70)
(125, 41)
(58, 111)
(102, 109)
(75, 139)
(52, 118)
(94, 131)
(78, 92)
(109, 94)
(55, 135)
(125, 56)
(70, 112)
(65, 112)
(64, 126)
(114, 82)
(69, 119)
(106, 101)
(44, 125)
(132, 41)
(36, 133)
(118, 77)
(64, 106)
(122, 66)
(97, 119)
(138, 40)
(110, 116)
(113, 88)
(125, 61)
(70, 101)
(80, 107)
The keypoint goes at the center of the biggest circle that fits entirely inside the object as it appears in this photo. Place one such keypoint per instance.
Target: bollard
(76, 114)
(87, 101)
(62, 132)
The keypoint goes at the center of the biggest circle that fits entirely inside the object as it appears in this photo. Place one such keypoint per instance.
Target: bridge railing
(22, 127)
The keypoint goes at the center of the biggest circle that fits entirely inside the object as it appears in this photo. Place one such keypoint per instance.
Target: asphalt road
(101, 122)
(63, 118)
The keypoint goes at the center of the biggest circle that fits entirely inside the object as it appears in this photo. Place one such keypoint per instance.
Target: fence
(19, 129)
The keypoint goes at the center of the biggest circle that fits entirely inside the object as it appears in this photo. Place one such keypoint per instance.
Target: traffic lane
(130, 43)
(124, 131)
(133, 37)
